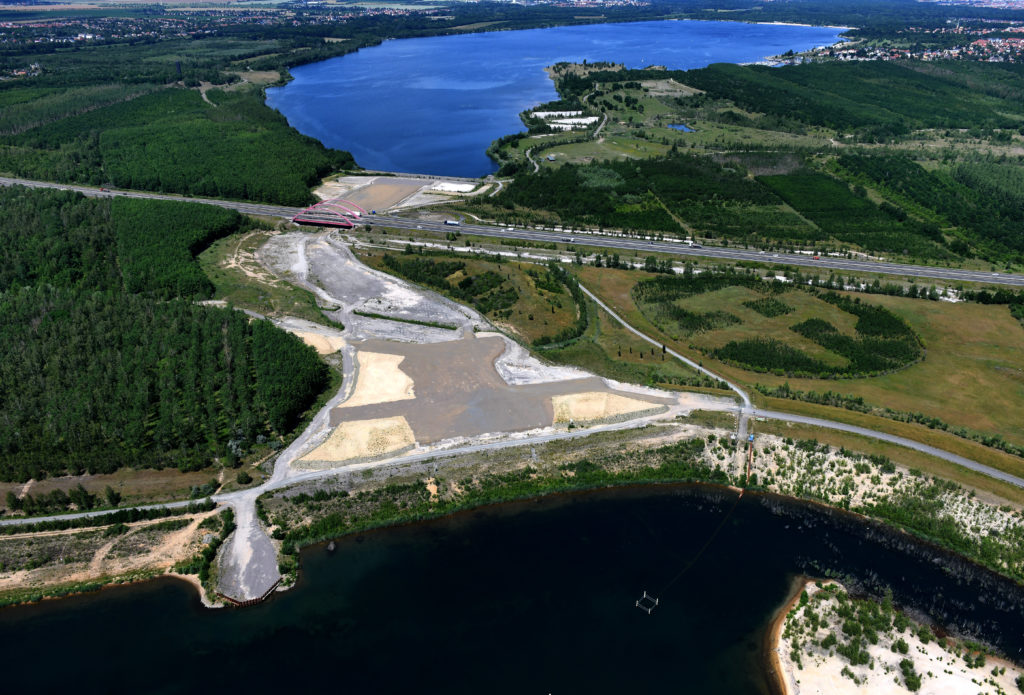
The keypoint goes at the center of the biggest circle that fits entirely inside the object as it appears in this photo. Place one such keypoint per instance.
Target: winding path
(748, 410)
(278, 480)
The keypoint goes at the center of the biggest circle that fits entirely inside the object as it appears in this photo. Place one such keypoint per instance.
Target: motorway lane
(280, 479)
(94, 192)
(841, 265)
(844, 265)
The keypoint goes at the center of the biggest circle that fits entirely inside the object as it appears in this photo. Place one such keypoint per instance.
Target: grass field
(731, 299)
(135, 486)
(610, 350)
(972, 375)
(634, 134)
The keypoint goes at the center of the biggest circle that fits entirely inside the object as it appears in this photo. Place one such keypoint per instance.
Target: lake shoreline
(480, 106)
(562, 521)
(775, 674)
(799, 659)
(513, 503)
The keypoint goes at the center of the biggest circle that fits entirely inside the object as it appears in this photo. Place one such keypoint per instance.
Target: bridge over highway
(605, 241)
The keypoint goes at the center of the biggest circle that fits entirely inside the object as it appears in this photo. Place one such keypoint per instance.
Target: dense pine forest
(105, 359)
(170, 140)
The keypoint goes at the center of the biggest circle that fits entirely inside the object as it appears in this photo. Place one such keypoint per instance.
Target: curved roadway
(748, 410)
(745, 411)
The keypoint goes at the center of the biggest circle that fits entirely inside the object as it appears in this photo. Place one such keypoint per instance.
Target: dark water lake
(433, 105)
(532, 597)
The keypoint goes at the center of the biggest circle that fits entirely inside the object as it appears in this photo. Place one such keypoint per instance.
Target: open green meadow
(971, 374)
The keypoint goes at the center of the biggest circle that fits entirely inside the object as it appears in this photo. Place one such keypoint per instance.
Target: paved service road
(621, 243)
(748, 411)
(902, 441)
(249, 562)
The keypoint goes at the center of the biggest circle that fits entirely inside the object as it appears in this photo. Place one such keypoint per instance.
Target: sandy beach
(805, 637)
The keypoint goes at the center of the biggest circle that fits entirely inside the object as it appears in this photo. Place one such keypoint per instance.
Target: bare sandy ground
(324, 339)
(372, 192)
(517, 366)
(380, 380)
(160, 554)
(595, 406)
(361, 439)
(942, 671)
(460, 394)
(324, 345)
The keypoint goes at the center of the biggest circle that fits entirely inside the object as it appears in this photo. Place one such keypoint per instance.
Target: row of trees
(883, 343)
(563, 277)
(865, 355)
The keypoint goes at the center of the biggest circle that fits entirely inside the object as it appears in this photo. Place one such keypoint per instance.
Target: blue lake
(533, 597)
(433, 105)
(681, 127)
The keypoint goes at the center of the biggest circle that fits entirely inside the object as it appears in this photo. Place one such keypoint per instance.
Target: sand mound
(380, 380)
(361, 439)
(595, 405)
(323, 344)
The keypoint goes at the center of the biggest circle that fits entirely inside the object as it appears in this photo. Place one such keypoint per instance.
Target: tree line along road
(606, 241)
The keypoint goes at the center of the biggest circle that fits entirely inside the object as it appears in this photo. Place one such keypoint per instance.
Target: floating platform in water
(647, 603)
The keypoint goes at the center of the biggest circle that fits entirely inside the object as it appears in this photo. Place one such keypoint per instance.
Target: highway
(624, 243)
(921, 274)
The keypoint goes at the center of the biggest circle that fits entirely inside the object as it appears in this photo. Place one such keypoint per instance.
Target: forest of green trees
(106, 361)
(644, 195)
(170, 140)
(875, 100)
(486, 291)
(982, 200)
(846, 216)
